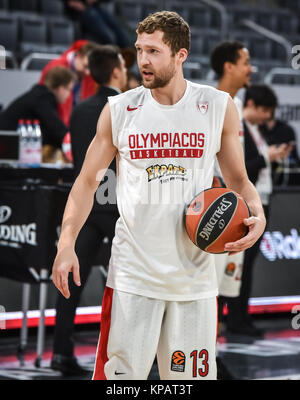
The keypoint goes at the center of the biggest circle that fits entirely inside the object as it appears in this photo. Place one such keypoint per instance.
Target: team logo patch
(203, 107)
(178, 361)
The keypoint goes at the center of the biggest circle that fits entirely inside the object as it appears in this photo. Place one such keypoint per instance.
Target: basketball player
(161, 289)
(230, 60)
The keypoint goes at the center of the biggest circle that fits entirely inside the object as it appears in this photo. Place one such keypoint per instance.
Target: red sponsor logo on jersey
(133, 108)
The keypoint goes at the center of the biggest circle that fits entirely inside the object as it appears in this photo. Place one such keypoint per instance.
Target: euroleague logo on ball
(197, 206)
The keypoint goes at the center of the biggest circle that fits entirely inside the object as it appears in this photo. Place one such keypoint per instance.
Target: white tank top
(165, 157)
(239, 106)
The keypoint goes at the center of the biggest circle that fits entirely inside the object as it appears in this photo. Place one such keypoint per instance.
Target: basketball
(215, 217)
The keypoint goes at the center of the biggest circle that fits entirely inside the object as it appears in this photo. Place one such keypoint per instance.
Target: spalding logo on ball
(215, 217)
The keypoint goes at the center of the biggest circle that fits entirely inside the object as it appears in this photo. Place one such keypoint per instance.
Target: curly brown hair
(176, 30)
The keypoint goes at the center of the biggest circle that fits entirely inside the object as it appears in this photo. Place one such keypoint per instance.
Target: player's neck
(172, 92)
(226, 85)
(115, 83)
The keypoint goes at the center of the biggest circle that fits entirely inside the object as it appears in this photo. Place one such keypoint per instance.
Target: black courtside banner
(30, 217)
(277, 266)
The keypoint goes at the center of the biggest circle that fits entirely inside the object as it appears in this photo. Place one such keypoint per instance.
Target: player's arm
(80, 201)
(232, 164)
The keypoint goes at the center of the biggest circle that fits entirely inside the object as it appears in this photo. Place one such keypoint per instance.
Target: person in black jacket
(108, 69)
(259, 104)
(276, 132)
(40, 102)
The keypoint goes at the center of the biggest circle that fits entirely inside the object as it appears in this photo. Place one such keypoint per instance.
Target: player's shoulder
(129, 97)
(207, 91)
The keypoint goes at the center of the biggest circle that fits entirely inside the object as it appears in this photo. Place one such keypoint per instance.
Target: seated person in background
(75, 59)
(41, 102)
(97, 24)
(277, 132)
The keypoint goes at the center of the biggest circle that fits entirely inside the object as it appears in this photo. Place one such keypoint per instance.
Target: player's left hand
(256, 227)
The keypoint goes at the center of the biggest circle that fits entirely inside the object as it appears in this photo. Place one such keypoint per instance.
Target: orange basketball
(215, 217)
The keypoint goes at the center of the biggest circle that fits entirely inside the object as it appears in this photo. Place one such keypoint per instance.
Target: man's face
(81, 64)
(63, 92)
(259, 114)
(123, 72)
(242, 69)
(263, 114)
(156, 64)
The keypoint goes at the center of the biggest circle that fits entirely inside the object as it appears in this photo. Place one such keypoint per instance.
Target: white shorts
(134, 329)
(229, 272)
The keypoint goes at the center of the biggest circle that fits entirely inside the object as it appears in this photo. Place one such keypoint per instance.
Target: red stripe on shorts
(101, 357)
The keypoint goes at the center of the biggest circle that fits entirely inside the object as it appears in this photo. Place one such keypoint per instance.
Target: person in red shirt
(75, 58)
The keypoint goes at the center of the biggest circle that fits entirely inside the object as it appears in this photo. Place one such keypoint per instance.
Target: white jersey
(165, 157)
(239, 106)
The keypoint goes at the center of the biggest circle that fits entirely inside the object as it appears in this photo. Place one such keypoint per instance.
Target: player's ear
(182, 55)
(115, 73)
(227, 67)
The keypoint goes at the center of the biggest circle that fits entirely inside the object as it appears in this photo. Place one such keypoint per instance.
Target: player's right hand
(65, 262)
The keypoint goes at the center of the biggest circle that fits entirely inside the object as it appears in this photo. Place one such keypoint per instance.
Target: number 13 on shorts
(200, 362)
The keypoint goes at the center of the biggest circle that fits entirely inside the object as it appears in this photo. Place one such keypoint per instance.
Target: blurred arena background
(33, 32)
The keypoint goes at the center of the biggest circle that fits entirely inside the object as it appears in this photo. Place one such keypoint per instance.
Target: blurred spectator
(98, 24)
(259, 105)
(108, 69)
(276, 132)
(76, 59)
(41, 102)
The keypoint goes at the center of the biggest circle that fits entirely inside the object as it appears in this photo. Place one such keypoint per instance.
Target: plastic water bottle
(37, 142)
(23, 142)
(30, 151)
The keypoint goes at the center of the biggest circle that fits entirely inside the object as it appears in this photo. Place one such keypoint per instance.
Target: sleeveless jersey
(239, 106)
(165, 157)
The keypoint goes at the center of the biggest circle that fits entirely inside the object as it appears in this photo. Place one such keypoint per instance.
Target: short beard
(162, 80)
